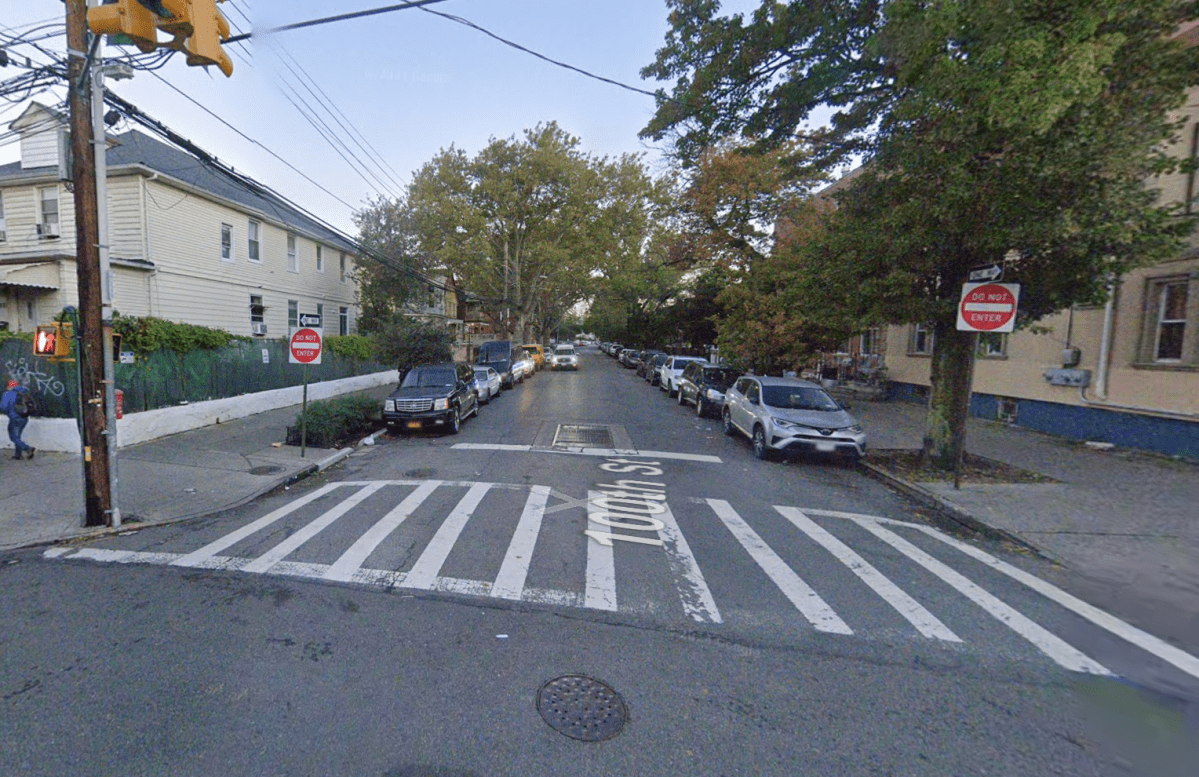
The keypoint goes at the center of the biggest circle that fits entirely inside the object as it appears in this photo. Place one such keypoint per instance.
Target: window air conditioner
(47, 230)
(259, 328)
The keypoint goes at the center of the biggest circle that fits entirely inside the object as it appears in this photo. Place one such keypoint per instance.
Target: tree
(407, 342)
(1023, 128)
(392, 274)
(526, 223)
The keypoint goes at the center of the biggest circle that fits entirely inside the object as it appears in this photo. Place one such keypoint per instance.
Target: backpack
(25, 404)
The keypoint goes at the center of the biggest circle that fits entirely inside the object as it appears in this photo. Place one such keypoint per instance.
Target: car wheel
(455, 421)
(729, 429)
(761, 451)
(700, 409)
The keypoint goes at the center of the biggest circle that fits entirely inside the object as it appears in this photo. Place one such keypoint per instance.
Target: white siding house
(187, 242)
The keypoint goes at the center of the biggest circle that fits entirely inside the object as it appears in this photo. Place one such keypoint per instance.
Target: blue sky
(410, 82)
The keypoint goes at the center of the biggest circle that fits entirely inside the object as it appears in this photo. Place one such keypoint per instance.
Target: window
(343, 321)
(253, 241)
(342, 266)
(1171, 304)
(226, 242)
(871, 341)
(921, 341)
(320, 312)
(320, 260)
(48, 224)
(293, 263)
(293, 313)
(2, 233)
(991, 345)
(257, 310)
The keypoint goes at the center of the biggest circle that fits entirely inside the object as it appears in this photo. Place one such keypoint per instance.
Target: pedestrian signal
(52, 340)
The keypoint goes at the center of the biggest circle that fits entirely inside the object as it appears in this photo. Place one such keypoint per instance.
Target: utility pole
(97, 489)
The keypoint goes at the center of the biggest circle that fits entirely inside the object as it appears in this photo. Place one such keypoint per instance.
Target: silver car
(670, 371)
(487, 384)
(564, 358)
(787, 414)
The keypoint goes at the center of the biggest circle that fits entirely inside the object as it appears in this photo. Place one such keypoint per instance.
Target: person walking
(16, 403)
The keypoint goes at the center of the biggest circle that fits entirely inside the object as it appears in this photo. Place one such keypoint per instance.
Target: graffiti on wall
(25, 374)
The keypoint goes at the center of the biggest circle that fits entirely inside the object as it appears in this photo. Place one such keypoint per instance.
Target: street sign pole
(304, 415)
(304, 347)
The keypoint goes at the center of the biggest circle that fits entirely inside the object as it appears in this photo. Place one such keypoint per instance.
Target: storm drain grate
(581, 434)
(582, 708)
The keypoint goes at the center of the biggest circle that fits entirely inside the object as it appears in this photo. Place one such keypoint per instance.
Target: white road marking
(308, 531)
(601, 571)
(424, 573)
(1057, 649)
(197, 557)
(924, 621)
(807, 601)
(1163, 650)
(604, 452)
(693, 589)
(510, 582)
(345, 567)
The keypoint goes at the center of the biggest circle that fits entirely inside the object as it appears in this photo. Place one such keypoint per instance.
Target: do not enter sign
(304, 347)
(988, 307)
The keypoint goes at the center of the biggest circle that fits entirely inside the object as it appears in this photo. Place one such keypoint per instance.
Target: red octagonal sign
(988, 307)
(305, 346)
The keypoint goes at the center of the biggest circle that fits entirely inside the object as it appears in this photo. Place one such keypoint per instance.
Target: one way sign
(991, 272)
(310, 320)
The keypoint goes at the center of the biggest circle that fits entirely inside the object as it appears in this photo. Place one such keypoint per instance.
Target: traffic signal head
(209, 29)
(125, 17)
(53, 340)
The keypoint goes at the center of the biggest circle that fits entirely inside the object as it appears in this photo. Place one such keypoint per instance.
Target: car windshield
(531, 350)
(798, 398)
(480, 374)
(721, 379)
(429, 378)
(564, 350)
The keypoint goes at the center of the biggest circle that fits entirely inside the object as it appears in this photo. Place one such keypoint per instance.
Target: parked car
(788, 414)
(487, 384)
(536, 353)
(644, 364)
(704, 385)
(433, 395)
(628, 358)
(564, 358)
(523, 367)
(498, 355)
(649, 368)
(670, 370)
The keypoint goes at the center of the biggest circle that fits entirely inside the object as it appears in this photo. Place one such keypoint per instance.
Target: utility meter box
(1067, 377)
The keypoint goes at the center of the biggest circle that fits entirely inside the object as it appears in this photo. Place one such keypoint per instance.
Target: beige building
(188, 242)
(1139, 353)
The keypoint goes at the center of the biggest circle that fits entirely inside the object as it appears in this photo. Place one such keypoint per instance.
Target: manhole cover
(579, 434)
(582, 708)
(266, 469)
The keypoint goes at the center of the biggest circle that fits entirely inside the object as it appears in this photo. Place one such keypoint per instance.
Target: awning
(42, 275)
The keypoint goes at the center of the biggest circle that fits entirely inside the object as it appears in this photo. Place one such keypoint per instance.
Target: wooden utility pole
(97, 494)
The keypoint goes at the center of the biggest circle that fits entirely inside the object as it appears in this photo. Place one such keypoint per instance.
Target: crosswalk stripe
(198, 557)
(310, 530)
(1158, 647)
(601, 567)
(1057, 649)
(693, 589)
(807, 601)
(348, 564)
(924, 621)
(424, 572)
(510, 582)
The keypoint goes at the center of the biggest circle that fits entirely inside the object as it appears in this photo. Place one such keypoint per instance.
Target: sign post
(988, 307)
(304, 347)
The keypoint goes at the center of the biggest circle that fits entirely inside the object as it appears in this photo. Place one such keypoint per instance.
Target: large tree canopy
(526, 224)
(1022, 128)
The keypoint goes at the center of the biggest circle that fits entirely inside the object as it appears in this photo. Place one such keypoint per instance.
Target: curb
(322, 465)
(957, 515)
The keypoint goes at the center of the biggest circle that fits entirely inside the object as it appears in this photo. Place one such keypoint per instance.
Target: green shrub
(145, 334)
(357, 347)
(335, 421)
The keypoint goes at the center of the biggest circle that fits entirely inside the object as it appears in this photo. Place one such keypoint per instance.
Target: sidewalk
(184, 475)
(1123, 525)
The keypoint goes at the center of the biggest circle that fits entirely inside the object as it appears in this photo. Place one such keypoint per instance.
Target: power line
(338, 18)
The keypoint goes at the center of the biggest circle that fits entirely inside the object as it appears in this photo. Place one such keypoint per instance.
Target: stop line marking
(603, 452)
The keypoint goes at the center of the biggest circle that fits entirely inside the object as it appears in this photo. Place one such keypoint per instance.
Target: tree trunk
(949, 399)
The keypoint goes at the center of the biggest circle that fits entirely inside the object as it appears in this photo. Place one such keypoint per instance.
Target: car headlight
(784, 424)
(441, 404)
(855, 429)
(714, 395)
(391, 405)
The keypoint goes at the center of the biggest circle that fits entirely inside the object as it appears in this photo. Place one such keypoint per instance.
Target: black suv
(433, 395)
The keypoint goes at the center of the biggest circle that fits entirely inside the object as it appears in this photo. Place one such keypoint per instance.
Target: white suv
(671, 369)
(564, 358)
(785, 414)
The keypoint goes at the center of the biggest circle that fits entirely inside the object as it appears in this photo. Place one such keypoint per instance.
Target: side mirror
(754, 401)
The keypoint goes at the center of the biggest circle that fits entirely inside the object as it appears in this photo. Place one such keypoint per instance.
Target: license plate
(826, 447)
(415, 424)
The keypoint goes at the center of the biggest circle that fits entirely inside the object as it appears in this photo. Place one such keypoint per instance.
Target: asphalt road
(398, 615)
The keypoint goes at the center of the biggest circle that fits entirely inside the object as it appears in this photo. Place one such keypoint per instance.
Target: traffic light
(126, 17)
(209, 28)
(53, 340)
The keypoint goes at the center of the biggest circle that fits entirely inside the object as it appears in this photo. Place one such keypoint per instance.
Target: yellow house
(188, 242)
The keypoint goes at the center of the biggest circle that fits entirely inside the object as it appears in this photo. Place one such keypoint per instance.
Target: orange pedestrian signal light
(52, 340)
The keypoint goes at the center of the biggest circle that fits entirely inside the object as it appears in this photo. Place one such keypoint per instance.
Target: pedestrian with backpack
(17, 403)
